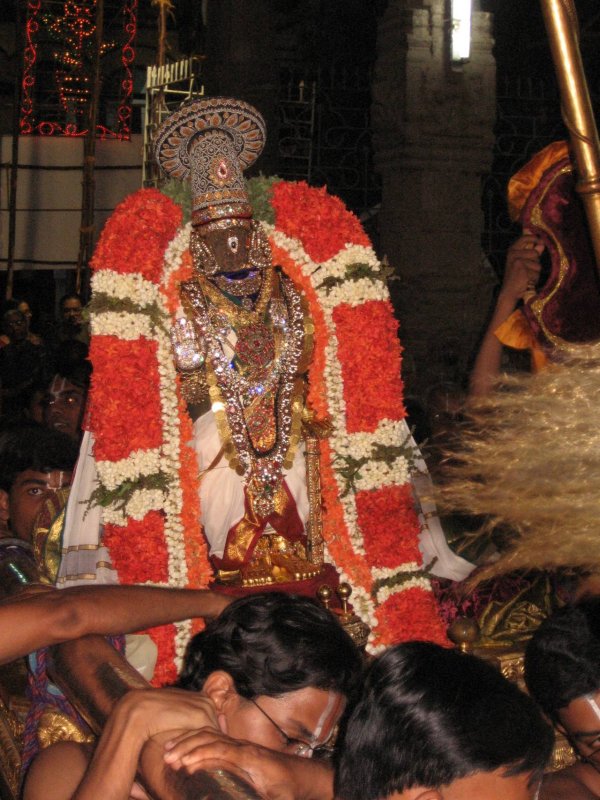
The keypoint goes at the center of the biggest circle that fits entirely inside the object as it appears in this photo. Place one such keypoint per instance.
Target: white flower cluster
(142, 501)
(123, 324)
(125, 287)
(352, 292)
(375, 474)
(360, 445)
(389, 575)
(182, 636)
(175, 250)
(132, 468)
(111, 515)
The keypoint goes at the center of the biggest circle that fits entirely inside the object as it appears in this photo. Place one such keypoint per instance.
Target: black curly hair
(562, 659)
(274, 643)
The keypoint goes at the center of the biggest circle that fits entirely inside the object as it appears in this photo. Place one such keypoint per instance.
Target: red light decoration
(54, 102)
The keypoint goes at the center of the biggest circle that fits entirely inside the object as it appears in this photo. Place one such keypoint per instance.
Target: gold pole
(562, 26)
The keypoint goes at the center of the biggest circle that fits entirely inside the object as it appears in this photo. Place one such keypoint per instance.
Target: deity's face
(221, 248)
(230, 248)
(233, 254)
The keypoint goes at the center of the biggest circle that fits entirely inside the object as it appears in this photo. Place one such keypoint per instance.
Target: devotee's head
(562, 671)
(279, 670)
(65, 399)
(25, 309)
(434, 724)
(14, 324)
(34, 462)
(71, 310)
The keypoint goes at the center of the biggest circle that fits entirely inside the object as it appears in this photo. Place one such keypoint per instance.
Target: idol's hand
(188, 348)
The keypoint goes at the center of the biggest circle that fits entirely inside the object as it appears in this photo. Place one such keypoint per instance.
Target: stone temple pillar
(433, 138)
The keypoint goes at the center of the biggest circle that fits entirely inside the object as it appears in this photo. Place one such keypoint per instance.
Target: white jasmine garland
(125, 287)
(144, 500)
(125, 325)
(138, 464)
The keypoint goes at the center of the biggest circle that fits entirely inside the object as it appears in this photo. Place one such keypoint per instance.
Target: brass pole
(562, 27)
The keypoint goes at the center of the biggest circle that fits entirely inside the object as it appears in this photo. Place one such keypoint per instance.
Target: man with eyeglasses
(262, 690)
(562, 671)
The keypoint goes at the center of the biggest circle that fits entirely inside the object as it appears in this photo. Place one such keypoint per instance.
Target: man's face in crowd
(25, 310)
(64, 404)
(15, 326)
(71, 312)
(580, 720)
(485, 785)
(296, 723)
(21, 505)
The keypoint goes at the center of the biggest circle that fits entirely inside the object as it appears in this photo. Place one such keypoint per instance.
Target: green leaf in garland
(259, 192)
(180, 193)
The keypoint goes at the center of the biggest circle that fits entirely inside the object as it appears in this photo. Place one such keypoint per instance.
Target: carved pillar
(433, 137)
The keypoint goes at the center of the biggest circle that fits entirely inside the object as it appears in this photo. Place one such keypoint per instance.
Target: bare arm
(521, 273)
(56, 616)
(136, 719)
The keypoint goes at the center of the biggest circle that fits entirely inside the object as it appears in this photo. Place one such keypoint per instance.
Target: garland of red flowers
(141, 434)
(372, 535)
(370, 525)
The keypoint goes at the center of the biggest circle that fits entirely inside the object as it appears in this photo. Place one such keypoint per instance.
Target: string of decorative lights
(69, 29)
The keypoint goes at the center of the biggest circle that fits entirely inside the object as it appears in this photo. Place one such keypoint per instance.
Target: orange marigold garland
(146, 467)
(369, 523)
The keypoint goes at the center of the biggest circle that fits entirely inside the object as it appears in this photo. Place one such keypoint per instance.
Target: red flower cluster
(318, 219)
(410, 614)
(369, 352)
(139, 553)
(165, 672)
(135, 236)
(138, 550)
(389, 525)
(124, 415)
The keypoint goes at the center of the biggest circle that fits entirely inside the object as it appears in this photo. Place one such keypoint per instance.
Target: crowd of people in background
(44, 380)
(44, 375)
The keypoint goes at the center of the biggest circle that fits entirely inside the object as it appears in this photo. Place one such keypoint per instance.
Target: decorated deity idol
(242, 344)
(246, 423)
